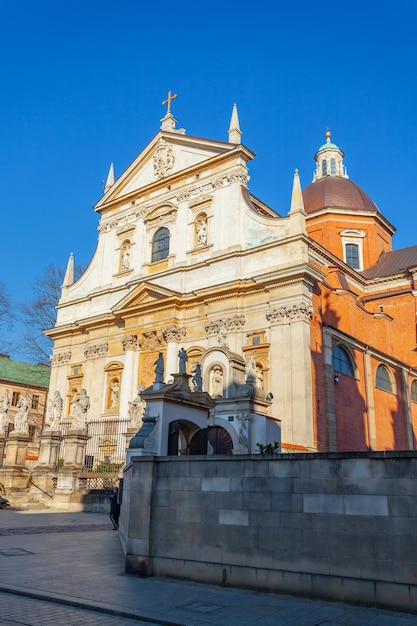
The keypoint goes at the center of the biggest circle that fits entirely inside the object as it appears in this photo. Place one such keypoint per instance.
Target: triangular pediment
(167, 154)
(144, 295)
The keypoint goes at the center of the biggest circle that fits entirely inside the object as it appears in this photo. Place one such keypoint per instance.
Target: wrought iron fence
(106, 448)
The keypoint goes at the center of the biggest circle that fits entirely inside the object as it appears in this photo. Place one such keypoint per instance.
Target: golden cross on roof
(168, 101)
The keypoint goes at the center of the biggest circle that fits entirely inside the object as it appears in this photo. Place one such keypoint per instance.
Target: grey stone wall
(336, 526)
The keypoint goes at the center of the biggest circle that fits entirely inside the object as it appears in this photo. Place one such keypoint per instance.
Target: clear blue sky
(83, 81)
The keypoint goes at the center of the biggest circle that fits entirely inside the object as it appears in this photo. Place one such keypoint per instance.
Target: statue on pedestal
(21, 419)
(80, 406)
(159, 368)
(55, 412)
(4, 407)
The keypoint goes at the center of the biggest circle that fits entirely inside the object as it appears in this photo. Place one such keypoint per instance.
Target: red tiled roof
(391, 263)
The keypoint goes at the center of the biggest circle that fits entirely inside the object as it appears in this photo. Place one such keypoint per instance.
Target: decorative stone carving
(96, 350)
(222, 326)
(184, 196)
(174, 333)
(297, 312)
(163, 159)
(130, 342)
(150, 341)
(61, 359)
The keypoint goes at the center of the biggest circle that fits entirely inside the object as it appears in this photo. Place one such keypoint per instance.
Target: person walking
(114, 508)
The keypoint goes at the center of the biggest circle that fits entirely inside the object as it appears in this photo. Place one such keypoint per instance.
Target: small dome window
(333, 167)
(324, 167)
(352, 255)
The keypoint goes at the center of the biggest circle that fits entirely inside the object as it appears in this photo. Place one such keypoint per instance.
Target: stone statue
(21, 419)
(197, 379)
(259, 378)
(126, 258)
(221, 336)
(4, 407)
(159, 368)
(55, 412)
(216, 381)
(80, 406)
(114, 393)
(182, 355)
(202, 232)
(136, 408)
(251, 370)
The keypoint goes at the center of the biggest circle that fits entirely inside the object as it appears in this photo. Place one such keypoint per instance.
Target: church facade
(303, 324)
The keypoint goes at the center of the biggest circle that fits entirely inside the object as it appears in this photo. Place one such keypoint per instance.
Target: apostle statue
(21, 419)
(80, 406)
(55, 412)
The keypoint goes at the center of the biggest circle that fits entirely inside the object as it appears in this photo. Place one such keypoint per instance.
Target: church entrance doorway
(214, 440)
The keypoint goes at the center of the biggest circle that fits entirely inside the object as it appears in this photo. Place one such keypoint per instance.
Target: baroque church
(295, 326)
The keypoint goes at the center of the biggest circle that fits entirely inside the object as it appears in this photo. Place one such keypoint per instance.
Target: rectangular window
(352, 255)
(35, 402)
(32, 431)
(15, 398)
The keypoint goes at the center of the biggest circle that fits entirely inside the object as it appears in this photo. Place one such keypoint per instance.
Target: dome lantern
(329, 160)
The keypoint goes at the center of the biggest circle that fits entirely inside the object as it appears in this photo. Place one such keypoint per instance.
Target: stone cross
(168, 101)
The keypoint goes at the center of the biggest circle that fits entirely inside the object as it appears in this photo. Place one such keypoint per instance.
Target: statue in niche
(216, 381)
(159, 368)
(114, 393)
(126, 258)
(80, 406)
(182, 355)
(202, 232)
(197, 379)
(55, 412)
(136, 408)
(21, 419)
(4, 407)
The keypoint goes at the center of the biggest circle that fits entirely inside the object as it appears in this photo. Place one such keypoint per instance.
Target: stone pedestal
(68, 496)
(14, 473)
(74, 449)
(16, 450)
(44, 475)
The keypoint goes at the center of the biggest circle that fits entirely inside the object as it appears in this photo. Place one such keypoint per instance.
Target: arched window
(341, 362)
(160, 245)
(413, 392)
(383, 378)
(324, 167)
(333, 167)
(352, 255)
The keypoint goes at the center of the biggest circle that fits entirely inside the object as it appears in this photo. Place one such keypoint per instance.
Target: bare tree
(40, 313)
(6, 318)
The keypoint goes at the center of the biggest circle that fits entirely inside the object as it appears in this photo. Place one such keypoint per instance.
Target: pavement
(68, 568)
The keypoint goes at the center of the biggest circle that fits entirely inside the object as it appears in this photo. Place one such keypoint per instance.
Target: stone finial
(110, 178)
(297, 202)
(234, 128)
(69, 274)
